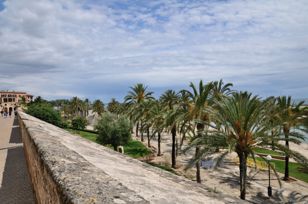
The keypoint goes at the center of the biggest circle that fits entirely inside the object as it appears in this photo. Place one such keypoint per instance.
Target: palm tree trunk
(141, 129)
(286, 164)
(273, 146)
(200, 128)
(198, 176)
(158, 144)
(182, 140)
(173, 155)
(142, 136)
(286, 169)
(137, 129)
(243, 169)
(148, 136)
(176, 146)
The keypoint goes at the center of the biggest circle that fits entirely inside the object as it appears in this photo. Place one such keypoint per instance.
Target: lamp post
(269, 188)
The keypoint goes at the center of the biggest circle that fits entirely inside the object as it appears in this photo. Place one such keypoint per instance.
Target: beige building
(10, 100)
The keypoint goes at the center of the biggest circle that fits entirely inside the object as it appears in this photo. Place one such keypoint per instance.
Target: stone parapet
(65, 168)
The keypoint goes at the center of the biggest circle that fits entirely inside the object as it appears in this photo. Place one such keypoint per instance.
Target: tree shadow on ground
(280, 197)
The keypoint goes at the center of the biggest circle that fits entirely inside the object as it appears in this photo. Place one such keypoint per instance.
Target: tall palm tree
(113, 106)
(87, 106)
(170, 101)
(290, 118)
(137, 95)
(76, 106)
(200, 101)
(157, 116)
(243, 117)
(220, 89)
(143, 114)
(98, 107)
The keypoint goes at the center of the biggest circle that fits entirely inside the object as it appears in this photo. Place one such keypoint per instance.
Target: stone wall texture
(66, 168)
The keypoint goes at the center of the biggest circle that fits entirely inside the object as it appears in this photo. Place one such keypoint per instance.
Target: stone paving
(15, 187)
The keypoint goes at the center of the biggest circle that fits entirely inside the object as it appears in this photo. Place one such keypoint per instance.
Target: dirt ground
(226, 177)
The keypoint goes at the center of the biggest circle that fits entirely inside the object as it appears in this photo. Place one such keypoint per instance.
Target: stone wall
(66, 168)
(60, 175)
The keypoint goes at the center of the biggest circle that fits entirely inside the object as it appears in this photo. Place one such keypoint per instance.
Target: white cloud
(51, 47)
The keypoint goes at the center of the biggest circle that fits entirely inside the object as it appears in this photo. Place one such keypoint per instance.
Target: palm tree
(76, 106)
(170, 101)
(243, 117)
(98, 107)
(200, 101)
(113, 106)
(87, 105)
(142, 113)
(220, 89)
(137, 95)
(157, 116)
(289, 117)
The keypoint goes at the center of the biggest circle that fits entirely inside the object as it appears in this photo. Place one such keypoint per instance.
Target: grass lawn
(84, 134)
(294, 169)
(133, 149)
(267, 151)
(136, 149)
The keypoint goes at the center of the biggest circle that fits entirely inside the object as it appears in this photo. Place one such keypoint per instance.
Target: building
(10, 100)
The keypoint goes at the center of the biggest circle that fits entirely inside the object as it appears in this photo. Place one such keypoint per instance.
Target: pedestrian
(1, 113)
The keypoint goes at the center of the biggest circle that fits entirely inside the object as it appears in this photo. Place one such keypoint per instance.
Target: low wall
(65, 168)
(60, 175)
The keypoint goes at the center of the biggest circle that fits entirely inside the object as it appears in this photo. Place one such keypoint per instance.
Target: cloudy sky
(98, 49)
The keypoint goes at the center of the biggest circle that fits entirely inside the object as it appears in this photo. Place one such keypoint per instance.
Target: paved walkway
(15, 187)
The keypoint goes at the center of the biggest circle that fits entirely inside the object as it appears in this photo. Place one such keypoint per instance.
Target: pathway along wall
(65, 168)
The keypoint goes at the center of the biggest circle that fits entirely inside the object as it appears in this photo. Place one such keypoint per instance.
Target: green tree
(290, 120)
(113, 106)
(243, 117)
(136, 96)
(87, 104)
(200, 101)
(77, 106)
(79, 123)
(170, 101)
(98, 107)
(157, 118)
(113, 130)
(45, 111)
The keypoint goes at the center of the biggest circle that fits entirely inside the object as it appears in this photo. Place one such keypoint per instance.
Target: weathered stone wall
(60, 175)
(65, 168)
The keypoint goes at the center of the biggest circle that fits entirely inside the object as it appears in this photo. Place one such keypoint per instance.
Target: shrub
(114, 131)
(79, 123)
(45, 111)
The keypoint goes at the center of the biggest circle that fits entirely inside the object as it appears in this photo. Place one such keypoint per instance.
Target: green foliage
(296, 170)
(113, 130)
(98, 107)
(79, 123)
(85, 134)
(267, 151)
(136, 149)
(113, 106)
(45, 111)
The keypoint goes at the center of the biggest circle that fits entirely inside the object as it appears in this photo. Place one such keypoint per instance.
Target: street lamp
(269, 188)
